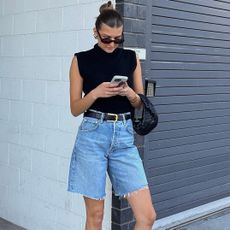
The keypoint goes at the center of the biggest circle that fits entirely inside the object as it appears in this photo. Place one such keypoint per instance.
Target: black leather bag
(148, 119)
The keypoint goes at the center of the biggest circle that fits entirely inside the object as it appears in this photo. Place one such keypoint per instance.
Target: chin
(109, 49)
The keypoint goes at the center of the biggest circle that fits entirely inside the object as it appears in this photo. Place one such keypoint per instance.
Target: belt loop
(124, 119)
(102, 117)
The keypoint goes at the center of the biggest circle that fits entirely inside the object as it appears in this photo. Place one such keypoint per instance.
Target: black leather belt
(107, 116)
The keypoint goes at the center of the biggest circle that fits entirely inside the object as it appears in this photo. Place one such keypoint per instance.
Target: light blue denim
(105, 146)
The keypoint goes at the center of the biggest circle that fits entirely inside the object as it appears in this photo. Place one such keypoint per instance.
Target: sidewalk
(216, 221)
(5, 225)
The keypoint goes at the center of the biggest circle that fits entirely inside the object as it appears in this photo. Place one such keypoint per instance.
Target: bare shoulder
(74, 70)
(74, 64)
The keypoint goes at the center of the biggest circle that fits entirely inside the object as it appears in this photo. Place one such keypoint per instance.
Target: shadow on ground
(5, 225)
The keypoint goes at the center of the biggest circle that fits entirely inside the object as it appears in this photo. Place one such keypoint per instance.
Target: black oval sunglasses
(109, 40)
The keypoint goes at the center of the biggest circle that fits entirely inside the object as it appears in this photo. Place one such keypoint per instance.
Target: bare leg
(94, 213)
(141, 204)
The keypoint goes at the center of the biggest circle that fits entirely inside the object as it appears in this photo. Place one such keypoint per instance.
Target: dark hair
(109, 16)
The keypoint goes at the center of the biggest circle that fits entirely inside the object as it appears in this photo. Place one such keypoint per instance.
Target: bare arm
(137, 78)
(78, 104)
(131, 94)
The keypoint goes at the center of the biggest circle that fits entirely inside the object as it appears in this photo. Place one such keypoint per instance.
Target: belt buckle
(115, 116)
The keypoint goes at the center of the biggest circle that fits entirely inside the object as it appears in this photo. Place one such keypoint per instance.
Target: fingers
(113, 91)
(108, 89)
(124, 90)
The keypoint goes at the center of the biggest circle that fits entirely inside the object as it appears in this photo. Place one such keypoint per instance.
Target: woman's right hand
(106, 89)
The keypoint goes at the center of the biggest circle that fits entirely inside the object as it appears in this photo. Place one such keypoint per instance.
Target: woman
(104, 142)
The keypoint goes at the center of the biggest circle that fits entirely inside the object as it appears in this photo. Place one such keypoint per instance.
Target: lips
(110, 49)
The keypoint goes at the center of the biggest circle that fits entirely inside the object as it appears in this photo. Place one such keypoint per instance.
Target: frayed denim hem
(87, 196)
(126, 195)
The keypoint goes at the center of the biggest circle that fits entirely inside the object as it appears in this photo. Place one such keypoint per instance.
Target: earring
(95, 36)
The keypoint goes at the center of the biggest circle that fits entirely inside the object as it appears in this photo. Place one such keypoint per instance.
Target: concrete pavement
(216, 221)
(5, 225)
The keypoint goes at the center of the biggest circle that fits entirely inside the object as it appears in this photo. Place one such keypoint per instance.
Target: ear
(94, 32)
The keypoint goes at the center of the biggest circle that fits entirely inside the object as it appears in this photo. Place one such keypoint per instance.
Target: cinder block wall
(134, 13)
(37, 130)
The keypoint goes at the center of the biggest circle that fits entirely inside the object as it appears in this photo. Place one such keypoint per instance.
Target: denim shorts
(105, 147)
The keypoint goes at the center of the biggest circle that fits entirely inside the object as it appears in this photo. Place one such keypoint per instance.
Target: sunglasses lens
(106, 40)
(116, 41)
(119, 41)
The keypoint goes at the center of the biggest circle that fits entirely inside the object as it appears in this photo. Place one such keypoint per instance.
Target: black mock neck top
(97, 66)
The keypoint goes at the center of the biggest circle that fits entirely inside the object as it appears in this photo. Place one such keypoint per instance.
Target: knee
(152, 217)
(148, 219)
(95, 216)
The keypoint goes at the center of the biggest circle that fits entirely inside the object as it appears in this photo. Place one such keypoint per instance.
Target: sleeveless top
(97, 66)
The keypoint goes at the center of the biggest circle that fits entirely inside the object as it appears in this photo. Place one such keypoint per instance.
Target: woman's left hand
(126, 91)
(131, 95)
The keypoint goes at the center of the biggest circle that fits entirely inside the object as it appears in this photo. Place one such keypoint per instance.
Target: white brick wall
(37, 130)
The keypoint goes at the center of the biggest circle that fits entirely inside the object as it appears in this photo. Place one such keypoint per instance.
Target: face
(107, 33)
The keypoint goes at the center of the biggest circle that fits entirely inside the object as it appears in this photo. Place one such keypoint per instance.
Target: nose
(112, 44)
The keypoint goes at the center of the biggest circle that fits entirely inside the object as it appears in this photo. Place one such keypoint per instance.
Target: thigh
(141, 204)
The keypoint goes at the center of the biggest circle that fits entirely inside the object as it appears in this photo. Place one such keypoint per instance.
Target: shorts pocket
(89, 124)
(129, 127)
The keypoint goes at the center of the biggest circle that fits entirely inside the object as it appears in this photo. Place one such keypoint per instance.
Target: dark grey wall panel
(167, 169)
(160, 65)
(191, 124)
(177, 133)
(189, 57)
(188, 154)
(164, 29)
(215, 8)
(178, 193)
(182, 197)
(189, 174)
(194, 115)
(194, 73)
(186, 140)
(194, 99)
(183, 149)
(189, 181)
(194, 203)
(192, 106)
(191, 24)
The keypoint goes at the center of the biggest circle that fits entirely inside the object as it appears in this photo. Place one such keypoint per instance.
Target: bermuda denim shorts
(105, 147)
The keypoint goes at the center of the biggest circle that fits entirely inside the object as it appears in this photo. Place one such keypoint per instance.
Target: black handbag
(148, 119)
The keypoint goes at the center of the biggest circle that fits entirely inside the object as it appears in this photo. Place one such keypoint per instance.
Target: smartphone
(119, 79)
